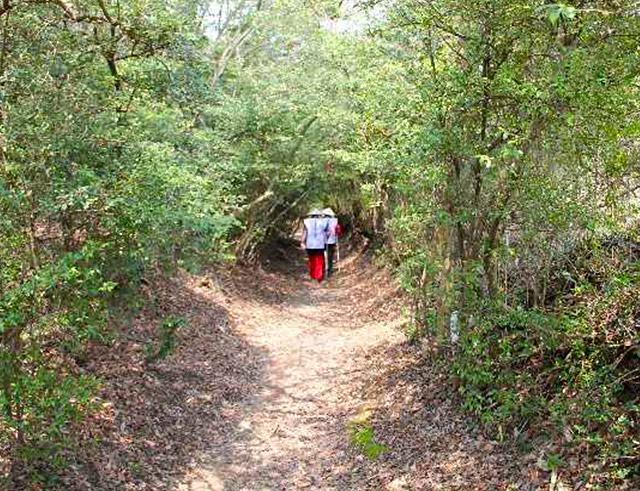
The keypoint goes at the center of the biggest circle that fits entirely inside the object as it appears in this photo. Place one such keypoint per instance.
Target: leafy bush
(571, 373)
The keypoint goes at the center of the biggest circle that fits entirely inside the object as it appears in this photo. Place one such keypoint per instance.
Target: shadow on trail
(414, 409)
(429, 445)
(160, 418)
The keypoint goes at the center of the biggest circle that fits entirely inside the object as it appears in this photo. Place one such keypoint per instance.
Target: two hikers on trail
(320, 240)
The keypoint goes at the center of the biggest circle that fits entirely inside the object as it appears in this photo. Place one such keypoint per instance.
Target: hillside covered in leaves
(489, 150)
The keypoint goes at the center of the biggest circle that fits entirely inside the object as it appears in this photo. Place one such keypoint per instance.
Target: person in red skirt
(314, 241)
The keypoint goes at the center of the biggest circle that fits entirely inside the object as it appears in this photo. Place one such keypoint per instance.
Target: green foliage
(552, 462)
(363, 438)
(499, 165)
(105, 174)
(573, 371)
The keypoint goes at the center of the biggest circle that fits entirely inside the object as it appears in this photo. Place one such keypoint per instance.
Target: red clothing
(316, 263)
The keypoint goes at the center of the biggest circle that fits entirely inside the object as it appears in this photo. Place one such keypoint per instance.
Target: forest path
(329, 354)
(291, 433)
(267, 375)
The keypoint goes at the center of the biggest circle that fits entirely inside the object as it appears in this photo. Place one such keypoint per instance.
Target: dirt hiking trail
(320, 348)
(267, 375)
(313, 343)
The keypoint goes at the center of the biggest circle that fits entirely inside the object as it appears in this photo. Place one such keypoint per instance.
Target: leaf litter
(267, 373)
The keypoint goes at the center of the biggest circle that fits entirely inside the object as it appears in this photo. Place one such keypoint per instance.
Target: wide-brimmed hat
(314, 212)
(328, 212)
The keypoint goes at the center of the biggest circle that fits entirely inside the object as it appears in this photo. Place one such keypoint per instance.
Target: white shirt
(316, 233)
(332, 223)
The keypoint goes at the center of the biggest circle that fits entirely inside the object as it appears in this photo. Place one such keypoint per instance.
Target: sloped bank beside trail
(269, 381)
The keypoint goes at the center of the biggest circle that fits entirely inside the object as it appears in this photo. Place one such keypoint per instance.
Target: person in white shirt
(333, 231)
(314, 241)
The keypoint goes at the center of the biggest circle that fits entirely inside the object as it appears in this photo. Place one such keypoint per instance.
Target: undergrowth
(362, 436)
(567, 373)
